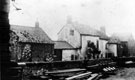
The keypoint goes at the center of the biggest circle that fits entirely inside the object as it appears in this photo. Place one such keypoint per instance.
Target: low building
(127, 42)
(112, 48)
(30, 44)
(63, 51)
(117, 48)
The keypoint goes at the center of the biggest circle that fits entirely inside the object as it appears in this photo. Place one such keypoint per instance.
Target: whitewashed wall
(113, 48)
(64, 34)
(102, 47)
(66, 54)
(85, 39)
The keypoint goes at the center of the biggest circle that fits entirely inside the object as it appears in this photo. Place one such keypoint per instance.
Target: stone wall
(24, 51)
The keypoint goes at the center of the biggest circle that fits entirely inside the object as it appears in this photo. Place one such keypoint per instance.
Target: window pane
(72, 32)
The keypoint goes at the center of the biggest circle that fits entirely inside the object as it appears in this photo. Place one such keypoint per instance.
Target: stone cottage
(30, 44)
(78, 35)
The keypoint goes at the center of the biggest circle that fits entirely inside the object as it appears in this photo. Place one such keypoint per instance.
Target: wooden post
(4, 41)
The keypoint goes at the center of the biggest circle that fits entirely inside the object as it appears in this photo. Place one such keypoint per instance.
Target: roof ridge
(22, 25)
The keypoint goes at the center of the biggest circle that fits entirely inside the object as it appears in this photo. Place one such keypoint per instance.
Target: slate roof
(122, 36)
(62, 45)
(87, 30)
(118, 37)
(114, 41)
(31, 34)
(103, 35)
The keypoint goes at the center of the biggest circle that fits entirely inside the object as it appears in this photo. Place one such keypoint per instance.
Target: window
(71, 32)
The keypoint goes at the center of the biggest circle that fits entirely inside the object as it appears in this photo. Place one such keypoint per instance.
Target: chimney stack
(69, 19)
(102, 29)
(37, 23)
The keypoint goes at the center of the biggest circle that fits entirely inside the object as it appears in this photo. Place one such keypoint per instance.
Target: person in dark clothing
(92, 50)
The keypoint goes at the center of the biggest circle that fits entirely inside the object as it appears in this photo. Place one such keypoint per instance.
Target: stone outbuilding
(30, 44)
(63, 51)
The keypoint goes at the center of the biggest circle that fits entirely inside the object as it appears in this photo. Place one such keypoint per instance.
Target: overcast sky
(115, 15)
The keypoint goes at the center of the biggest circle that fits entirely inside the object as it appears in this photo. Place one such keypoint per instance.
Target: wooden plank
(92, 76)
(21, 63)
(79, 76)
(65, 71)
(16, 68)
(112, 63)
(93, 66)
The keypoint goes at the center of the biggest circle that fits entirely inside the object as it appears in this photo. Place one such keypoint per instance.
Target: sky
(117, 16)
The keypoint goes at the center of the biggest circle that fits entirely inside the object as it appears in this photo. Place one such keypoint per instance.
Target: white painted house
(78, 36)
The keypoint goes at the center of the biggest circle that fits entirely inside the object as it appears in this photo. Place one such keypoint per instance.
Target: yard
(123, 74)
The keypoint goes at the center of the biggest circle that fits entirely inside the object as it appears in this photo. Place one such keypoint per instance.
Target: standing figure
(92, 51)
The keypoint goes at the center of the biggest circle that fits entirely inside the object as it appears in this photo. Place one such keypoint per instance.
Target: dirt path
(124, 74)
